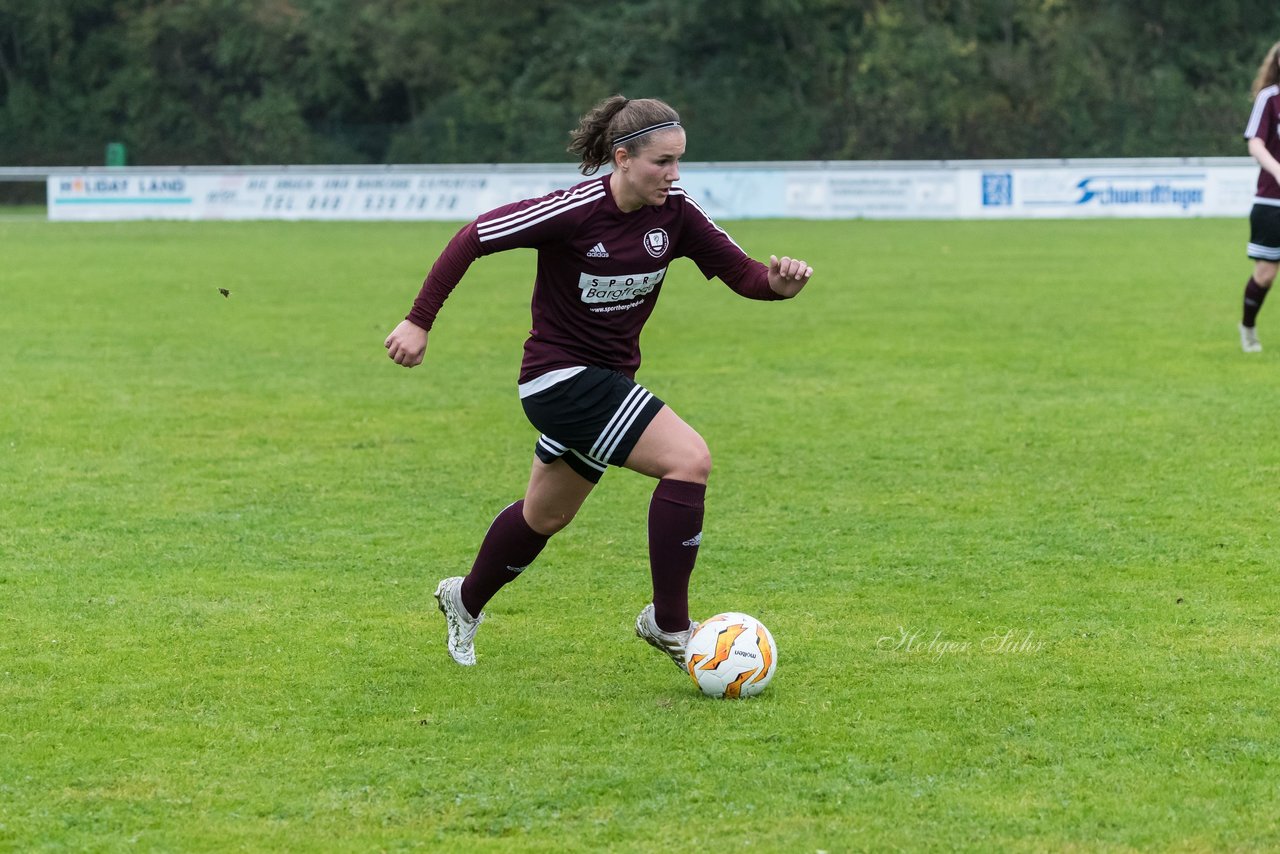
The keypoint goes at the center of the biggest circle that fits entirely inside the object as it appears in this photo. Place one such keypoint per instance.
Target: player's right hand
(406, 344)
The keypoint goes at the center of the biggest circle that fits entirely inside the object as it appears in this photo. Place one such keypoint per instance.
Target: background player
(1264, 219)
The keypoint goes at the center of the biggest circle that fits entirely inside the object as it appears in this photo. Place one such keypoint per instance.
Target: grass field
(1004, 492)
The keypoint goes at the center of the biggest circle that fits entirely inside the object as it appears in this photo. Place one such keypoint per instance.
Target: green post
(115, 154)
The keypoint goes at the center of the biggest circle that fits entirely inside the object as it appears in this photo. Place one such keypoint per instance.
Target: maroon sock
(508, 547)
(675, 531)
(1254, 294)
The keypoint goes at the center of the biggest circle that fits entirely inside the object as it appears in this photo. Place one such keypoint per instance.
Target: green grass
(222, 519)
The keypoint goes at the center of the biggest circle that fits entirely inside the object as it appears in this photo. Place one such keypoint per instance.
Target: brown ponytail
(1268, 72)
(612, 118)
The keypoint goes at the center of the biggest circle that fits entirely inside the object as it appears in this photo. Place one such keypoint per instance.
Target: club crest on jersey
(657, 242)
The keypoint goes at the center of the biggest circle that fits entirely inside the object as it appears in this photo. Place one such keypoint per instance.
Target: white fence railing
(996, 189)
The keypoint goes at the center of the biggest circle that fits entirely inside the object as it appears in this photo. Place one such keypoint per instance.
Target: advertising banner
(192, 195)
(849, 190)
(1112, 191)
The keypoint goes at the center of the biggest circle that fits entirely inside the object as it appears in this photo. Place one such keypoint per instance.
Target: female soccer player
(1264, 220)
(603, 249)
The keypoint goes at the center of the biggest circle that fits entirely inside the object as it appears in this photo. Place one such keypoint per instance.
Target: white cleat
(1249, 339)
(462, 626)
(671, 643)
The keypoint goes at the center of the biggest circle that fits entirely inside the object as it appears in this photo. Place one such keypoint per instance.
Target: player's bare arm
(406, 344)
(787, 276)
(1258, 148)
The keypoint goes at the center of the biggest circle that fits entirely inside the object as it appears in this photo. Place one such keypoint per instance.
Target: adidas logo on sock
(696, 541)
(598, 251)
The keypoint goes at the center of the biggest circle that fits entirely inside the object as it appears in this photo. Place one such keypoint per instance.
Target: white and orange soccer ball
(731, 655)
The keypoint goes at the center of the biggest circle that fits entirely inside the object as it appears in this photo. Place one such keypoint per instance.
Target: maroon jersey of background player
(1262, 135)
(599, 271)
(1264, 124)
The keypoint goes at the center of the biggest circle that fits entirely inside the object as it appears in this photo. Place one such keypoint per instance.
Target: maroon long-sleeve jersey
(599, 270)
(1264, 123)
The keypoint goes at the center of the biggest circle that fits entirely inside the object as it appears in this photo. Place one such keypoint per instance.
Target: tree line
(440, 81)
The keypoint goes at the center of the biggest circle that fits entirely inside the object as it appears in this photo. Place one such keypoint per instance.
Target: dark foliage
(412, 81)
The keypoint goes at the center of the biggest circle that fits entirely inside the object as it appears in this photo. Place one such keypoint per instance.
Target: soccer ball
(731, 655)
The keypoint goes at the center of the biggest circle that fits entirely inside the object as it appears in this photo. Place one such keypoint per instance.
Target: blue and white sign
(1146, 193)
(997, 189)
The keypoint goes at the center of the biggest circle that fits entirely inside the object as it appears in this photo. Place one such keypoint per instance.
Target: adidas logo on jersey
(598, 251)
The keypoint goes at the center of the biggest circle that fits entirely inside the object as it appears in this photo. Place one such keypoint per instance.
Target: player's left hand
(788, 275)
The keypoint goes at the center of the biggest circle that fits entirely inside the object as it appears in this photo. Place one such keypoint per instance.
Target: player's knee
(1265, 274)
(550, 521)
(694, 464)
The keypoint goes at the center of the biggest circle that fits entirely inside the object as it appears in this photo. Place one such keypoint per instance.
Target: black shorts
(591, 420)
(1264, 233)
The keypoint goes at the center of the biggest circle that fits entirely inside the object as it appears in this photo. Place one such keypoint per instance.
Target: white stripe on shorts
(590, 461)
(1265, 253)
(558, 450)
(621, 422)
(551, 445)
(542, 382)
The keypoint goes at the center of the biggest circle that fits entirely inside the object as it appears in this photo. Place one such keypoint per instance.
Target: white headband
(627, 137)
